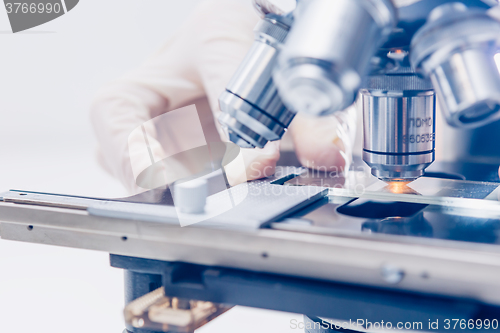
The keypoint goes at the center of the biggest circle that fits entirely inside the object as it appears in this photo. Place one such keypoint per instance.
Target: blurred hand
(199, 61)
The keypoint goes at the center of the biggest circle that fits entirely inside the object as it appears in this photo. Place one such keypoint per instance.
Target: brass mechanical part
(157, 312)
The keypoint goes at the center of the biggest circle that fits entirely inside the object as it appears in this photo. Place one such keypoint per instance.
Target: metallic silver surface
(392, 118)
(432, 191)
(328, 52)
(404, 168)
(392, 274)
(456, 50)
(295, 249)
(399, 133)
(248, 122)
(237, 213)
(252, 109)
(466, 198)
(233, 207)
(336, 49)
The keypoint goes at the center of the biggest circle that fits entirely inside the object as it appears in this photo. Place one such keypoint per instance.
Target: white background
(48, 76)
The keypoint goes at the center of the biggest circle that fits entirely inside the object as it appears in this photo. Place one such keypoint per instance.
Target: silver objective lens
(399, 134)
(456, 49)
(398, 122)
(328, 52)
(252, 110)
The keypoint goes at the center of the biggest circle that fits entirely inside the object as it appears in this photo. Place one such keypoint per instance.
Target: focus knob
(190, 197)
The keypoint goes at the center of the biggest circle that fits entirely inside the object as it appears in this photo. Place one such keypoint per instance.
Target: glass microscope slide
(425, 190)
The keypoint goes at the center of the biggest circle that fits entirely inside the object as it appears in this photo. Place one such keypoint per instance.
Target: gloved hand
(199, 61)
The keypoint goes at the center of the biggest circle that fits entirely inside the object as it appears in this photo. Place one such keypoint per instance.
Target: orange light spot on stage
(398, 187)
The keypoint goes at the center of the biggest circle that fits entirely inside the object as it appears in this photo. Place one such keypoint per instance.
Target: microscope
(395, 61)
(420, 254)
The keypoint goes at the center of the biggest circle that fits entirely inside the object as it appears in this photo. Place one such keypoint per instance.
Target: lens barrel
(328, 52)
(456, 49)
(252, 110)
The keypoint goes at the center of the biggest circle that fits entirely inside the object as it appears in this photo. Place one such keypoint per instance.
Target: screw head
(392, 274)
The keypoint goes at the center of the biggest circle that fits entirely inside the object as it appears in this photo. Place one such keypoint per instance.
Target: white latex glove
(199, 61)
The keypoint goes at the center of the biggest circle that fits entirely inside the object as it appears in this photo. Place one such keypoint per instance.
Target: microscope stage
(441, 237)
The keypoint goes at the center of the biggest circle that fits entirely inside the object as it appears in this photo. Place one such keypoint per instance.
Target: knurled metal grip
(272, 27)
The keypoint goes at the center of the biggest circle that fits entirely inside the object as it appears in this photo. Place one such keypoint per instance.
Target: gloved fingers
(166, 81)
(172, 71)
(198, 61)
(325, 143)
(134, 146)
(167, 148)
(115, 114)
(255, 164)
